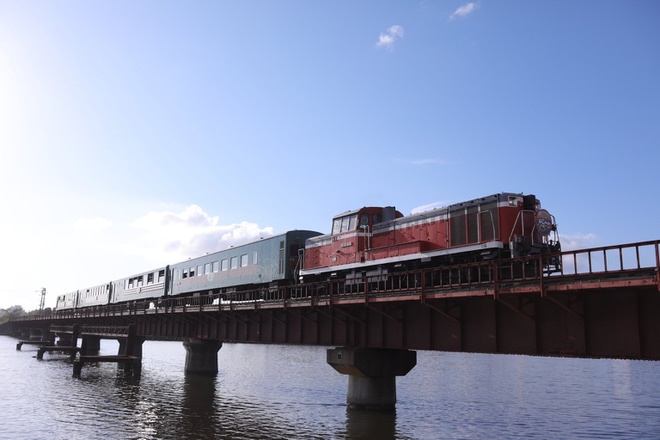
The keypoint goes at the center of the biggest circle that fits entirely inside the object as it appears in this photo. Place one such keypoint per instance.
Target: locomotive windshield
(343, 224)
(364, 218)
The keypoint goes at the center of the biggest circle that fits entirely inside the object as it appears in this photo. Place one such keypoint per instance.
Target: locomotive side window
(161, 276)
(348, 223)
(234, 262)
(150, 278)
(244, 260)
(343, 224)
(224, 265)
(216, 266)
(336, 226)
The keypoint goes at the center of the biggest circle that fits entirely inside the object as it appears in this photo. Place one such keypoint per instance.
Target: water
(289, 392)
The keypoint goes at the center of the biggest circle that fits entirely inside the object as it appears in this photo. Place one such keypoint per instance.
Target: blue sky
(139, 133)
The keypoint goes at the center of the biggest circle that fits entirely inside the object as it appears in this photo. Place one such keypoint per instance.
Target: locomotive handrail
(519, 216)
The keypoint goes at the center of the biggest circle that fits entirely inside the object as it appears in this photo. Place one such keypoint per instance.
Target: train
(367, 242)
(269, 262)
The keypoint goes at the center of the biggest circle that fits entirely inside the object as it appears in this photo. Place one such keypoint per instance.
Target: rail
(619, 265)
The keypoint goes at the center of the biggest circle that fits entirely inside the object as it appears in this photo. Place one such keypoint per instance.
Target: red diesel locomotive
(374, 240)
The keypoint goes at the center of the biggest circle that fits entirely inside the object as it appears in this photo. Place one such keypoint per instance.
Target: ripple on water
(285, 392)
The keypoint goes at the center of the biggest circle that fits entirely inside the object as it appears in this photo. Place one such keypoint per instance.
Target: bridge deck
(602, 302)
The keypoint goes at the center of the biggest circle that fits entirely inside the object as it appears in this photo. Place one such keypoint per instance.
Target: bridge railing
(631, 260)
(633, 257)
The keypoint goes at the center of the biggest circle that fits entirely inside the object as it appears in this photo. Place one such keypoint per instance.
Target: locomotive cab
(350, 239)
(352, 232)
(363, 219)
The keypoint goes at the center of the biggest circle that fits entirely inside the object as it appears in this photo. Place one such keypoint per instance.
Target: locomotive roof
(499, 197)
(494, 197)
(355, 211)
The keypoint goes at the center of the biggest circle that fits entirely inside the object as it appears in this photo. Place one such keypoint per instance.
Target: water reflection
(199, 408)
(361, 424)
(621, 379)
(135, 402)
(282, 392)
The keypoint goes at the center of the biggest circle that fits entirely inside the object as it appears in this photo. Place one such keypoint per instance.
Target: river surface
(290, 392)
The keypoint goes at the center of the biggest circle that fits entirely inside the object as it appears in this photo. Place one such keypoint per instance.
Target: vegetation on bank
(18, 311)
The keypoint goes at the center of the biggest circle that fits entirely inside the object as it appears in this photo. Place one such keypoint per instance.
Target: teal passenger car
(268, 262)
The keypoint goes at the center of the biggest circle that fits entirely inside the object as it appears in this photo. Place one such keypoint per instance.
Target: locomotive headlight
(544, 222)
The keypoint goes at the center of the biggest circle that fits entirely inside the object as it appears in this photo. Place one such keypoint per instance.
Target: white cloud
(192, 216)
(464, 11)
(420, 162)
(191, 233)
(92, 224)
(392, 34)
(87, 251)
(426, 161)
(428, 207)
(578, 241)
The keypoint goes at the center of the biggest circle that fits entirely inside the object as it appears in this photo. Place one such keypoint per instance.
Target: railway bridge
(603, 302)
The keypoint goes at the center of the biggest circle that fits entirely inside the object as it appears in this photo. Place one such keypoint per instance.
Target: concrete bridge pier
(371, 374)
(202, 356)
